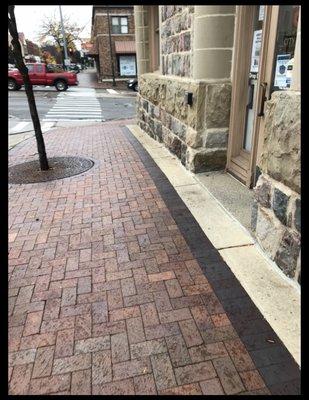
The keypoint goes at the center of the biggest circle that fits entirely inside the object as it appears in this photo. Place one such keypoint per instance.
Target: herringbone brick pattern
(105, 296)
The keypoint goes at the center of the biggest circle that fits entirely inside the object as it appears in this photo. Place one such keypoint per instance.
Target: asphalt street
(116, 106)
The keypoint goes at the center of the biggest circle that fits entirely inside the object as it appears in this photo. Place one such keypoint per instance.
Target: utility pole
(110, 46)
(64, 39)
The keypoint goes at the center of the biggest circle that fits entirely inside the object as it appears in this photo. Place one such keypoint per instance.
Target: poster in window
(256, 49)
(127, 65)
(281, 70)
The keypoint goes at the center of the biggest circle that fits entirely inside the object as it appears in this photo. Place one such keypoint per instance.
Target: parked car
(43, 75)
(55, 68)
(133, 84)
(73, 68)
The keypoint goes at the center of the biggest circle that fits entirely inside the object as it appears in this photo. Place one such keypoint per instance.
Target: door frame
(265, 75)
(241, 163)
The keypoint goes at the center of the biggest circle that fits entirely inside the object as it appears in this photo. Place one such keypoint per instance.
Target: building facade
(33, 48)
(22, 41)
(113, 36)
(220, 87)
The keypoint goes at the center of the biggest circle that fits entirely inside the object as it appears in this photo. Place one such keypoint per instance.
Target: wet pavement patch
(59, 168)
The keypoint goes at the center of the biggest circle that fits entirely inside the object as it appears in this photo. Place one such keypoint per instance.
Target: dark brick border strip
(277, 367)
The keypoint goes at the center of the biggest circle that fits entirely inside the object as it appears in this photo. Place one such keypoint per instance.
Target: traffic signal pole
(110, 47)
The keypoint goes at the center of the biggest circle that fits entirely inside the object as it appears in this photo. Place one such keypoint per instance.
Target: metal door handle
(264, 98)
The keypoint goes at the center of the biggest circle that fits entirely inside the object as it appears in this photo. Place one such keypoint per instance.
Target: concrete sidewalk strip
(115, 285)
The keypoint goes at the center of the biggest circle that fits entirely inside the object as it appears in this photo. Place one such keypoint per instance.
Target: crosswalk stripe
(74, 110)
(25, 126)
(75, 107)
(76, 102)
(47, 126)
(77, 114)
(19, 127)
(112, 91)
(76, 119)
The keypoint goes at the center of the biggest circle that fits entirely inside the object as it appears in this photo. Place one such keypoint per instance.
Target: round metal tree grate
(59, 167)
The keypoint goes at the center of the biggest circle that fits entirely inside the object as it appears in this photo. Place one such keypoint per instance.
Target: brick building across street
(113, 36)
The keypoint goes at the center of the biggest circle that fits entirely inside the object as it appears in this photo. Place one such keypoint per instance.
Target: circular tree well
(59, 167)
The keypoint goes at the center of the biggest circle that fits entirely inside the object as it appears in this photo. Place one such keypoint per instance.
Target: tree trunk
(29, 91)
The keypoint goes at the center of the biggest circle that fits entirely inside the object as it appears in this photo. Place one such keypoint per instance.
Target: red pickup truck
(42, 74)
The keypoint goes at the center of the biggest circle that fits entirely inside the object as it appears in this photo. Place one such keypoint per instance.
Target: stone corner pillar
(276, 214)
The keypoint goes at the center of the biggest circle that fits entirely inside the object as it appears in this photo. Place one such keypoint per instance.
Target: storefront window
(127, 65)
(285, 47)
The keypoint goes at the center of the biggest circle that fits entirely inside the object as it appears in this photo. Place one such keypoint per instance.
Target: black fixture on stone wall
(189, 98)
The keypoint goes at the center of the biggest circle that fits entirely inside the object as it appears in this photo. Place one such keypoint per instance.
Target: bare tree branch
(51, 27)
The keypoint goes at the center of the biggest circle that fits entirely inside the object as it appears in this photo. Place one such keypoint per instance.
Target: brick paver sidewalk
(114, 289)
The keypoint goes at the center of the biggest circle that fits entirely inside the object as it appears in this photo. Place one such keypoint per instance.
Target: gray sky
(28, 18)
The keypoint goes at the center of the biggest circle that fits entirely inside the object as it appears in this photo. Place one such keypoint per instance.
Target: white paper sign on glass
(281, 70)
(261, 13)
(256, 49)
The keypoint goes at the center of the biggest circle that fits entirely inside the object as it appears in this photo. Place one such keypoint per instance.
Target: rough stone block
(165, 119)
(280, 204)
(151, 125)
(156, 111)
(176, 59)
(205, 160)
(216, 138)
(178, 128)
(187, 41)
(269, 231)
(281, 149)
(150, 109)
(183, 154)
(262, 192)
(158, 130)
(175, 146)
(287, 254)
(297, 215)
(145, 105)
(254, 213)
(193, 138)
(218, 104)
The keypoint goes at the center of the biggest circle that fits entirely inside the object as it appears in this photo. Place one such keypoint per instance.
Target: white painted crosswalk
(26, 126)
(75, 106)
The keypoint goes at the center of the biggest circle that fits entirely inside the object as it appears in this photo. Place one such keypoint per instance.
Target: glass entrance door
(265, 38)
(258, 16)
(245, 90)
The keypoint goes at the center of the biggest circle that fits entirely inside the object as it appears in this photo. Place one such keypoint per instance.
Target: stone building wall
(197, 134)
(277, 208)
(176, 40)
(196, 57)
